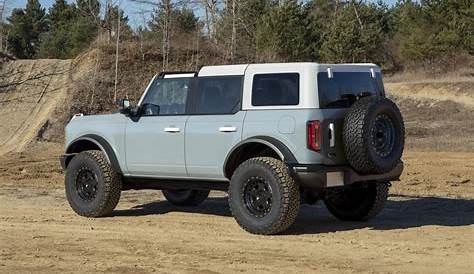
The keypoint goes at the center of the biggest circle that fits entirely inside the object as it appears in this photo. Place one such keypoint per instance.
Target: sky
(133, 10)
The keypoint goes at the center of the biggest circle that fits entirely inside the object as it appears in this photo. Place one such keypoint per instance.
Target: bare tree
(233, 40)
(117, 54)
(211, 16)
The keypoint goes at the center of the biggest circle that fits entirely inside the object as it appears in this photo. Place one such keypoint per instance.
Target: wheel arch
(93, 142)
(255, 147)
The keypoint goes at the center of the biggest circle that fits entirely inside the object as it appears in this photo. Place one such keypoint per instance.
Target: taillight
(314, 135)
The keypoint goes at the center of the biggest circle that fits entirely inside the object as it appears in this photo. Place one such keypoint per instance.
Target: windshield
(335, 92)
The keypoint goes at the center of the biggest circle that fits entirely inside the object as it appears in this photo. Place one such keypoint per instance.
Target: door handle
(172, 129)
(227, 129)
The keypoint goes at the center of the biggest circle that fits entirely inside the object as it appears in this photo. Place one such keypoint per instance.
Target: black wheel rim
(86, 184)
(383, 135)
(257, 196)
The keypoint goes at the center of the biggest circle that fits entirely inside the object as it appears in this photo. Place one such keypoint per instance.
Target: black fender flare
(103, 145)
(276, 145)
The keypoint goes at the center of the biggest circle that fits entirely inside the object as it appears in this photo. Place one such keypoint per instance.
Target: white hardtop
(240, 69)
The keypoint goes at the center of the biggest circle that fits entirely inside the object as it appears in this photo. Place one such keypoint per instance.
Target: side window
(167, 97)
(281, 89)
(218, 95)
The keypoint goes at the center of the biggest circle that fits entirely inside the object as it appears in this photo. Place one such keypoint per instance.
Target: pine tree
(56, 43)
(26, 26)
(282, 33)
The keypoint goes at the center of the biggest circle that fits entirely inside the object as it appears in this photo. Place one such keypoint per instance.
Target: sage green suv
(270, 135)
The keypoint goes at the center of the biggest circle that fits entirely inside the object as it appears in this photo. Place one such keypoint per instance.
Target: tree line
(426, 33)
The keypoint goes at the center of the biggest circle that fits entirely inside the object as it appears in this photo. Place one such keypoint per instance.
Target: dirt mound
(30, 91)
(461, 92)
(438, 115)
(34, 99)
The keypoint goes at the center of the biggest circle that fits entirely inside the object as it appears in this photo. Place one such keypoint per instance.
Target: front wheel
(359, 202)
(92, 186)
(263, 197)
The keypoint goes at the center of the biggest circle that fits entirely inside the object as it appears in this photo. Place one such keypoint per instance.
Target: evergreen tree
(26, 26)
(434, 31)
(56, 43)
(358, 33)
(89, 9)
(282, 33)
(238, 25)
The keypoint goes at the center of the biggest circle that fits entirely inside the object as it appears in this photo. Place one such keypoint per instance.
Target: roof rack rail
(164, 73)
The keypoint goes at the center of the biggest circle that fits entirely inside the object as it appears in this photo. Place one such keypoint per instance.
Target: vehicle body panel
(155, 146)
(209, 139)
(110, 127)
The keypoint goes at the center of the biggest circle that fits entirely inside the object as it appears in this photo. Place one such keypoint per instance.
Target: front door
(214, 126)
(155, 141)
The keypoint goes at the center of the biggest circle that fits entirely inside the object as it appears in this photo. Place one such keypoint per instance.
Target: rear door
(214, 125)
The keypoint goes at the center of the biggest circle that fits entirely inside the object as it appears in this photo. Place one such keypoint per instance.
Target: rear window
(333, 91)
(279, 89)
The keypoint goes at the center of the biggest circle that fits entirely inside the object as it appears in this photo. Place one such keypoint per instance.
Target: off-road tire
(186, 197)
(358, 203)
(285, 196)
(109, 184)
(358, 136)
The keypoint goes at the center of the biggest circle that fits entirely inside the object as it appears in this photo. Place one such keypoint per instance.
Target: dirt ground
(426, 227)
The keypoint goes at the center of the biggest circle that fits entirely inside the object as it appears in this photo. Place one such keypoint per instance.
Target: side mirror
(124, 106)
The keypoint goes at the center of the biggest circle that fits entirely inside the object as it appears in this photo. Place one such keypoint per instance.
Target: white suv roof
(240, 69)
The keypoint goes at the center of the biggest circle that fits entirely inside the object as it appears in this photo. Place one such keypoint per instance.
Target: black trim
(159, 184)
(104, 144)
(289, 158)
(315, 176)
(283, 150)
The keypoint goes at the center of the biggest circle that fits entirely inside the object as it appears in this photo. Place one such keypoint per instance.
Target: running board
(136, 183)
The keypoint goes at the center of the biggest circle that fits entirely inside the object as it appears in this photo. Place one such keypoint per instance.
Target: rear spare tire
(373, 135)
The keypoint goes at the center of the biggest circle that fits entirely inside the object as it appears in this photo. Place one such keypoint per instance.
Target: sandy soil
(426, 227)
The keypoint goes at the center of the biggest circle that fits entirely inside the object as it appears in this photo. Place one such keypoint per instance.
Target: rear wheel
(92, 186)
(360, 202)
(186, 197)
(263, 197)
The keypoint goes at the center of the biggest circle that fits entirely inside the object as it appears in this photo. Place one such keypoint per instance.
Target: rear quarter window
(279, 89)
(332, 90)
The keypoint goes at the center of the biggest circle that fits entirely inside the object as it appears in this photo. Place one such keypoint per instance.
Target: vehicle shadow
(400, 212)
(212, 206)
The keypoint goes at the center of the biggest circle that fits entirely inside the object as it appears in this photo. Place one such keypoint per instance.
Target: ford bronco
(271, 135)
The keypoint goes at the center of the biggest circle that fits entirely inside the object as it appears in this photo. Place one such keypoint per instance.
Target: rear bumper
(320, 176)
